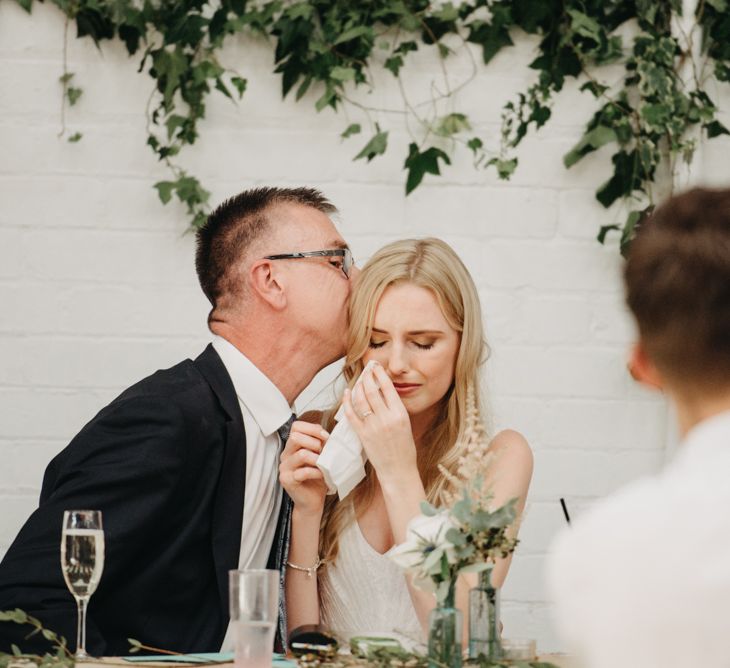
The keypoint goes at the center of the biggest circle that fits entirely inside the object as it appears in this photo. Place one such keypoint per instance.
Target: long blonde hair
(432, 264)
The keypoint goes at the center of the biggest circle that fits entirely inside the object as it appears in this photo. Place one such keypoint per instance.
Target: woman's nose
(397, 360)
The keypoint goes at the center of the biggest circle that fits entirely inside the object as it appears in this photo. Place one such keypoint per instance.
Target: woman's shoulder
(510, 445)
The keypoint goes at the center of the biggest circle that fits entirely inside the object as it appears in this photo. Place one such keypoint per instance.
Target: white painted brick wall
(97, 286)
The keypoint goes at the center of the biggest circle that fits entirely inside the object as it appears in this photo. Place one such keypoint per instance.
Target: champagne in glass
(82, 562)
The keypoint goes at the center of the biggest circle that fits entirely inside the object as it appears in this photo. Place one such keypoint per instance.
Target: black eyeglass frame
(344, 253)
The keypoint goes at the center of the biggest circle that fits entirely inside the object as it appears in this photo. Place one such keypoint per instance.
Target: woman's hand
(298, 472)
(381, 421)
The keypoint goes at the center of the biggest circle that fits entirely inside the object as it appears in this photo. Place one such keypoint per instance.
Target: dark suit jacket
(165, 463)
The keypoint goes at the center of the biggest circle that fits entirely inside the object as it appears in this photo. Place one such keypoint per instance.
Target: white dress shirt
(264, 409)
(643, 579)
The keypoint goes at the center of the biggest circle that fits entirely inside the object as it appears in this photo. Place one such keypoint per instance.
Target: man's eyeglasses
(345, 263)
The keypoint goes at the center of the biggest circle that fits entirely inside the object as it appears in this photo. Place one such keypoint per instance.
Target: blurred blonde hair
(432, 264)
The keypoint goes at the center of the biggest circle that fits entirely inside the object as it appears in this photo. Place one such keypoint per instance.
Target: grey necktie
(284, 430)
(282, 544)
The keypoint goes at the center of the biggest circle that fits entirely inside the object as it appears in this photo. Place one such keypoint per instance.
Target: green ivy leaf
(603, 232)
(505, 168)
(190, 191)
(169, 67)
(342, 74)
(300, 10)
(447, 12)
(172, 123)
(394, 63)
(25, 4)
(584, 25)
(474, 144)
(90, 21)
(164, 191)
(73, 95)
(66, 77)
(626, 178)
(718, 5)
(406, 47)
(240, 85)
(715, 129)
(329, 97)
(597, 89)
(199, 219)
(354, 33)
(591, 140)
(492, 36)
(75, 137)
(376, 146)
(452, 124)
(419, 163)
(352, 129)
(656, 115)
(221, 86)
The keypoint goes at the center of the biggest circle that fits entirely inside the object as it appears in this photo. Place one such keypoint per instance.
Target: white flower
(424, 545)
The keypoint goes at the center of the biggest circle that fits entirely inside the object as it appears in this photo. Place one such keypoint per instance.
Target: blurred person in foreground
(643, 579)
(184, 464)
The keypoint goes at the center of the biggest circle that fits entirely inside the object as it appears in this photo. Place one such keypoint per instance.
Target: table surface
(560, 660)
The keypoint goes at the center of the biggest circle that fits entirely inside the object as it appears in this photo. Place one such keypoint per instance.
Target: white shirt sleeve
(643, 579)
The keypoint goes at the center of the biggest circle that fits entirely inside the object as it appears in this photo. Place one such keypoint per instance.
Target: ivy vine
(654, 115)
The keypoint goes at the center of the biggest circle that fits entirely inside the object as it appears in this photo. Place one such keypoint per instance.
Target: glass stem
(81, 604)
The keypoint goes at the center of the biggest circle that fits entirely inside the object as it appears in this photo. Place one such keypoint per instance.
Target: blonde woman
(415, 311)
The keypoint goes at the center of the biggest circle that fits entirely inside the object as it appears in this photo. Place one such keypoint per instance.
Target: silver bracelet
(310, 571)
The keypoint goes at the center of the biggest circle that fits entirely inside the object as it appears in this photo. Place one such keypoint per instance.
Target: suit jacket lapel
(228, 507)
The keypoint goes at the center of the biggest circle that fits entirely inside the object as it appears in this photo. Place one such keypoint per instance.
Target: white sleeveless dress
(365, 593)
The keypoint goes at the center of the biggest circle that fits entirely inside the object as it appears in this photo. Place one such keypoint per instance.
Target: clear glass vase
(484, 632)
(445, 625)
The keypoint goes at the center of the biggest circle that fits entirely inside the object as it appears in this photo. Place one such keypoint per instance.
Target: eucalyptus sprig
(59, 657)
(389, 658)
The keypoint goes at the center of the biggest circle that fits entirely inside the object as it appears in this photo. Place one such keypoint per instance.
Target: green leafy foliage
(57, 656)
(332, 48)
(419, 163)
(376, 146)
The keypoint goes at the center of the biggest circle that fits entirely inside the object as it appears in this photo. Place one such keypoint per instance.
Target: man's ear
(642, 369)
(266, 283)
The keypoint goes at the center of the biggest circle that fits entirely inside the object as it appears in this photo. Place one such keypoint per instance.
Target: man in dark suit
(183, 465)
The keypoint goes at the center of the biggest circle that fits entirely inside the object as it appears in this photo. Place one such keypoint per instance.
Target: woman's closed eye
(421, 345)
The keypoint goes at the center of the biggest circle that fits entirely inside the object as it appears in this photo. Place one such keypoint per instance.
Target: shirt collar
(267, 405)
(713, 430)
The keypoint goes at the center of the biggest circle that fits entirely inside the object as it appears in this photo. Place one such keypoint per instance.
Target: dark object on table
(312, 639)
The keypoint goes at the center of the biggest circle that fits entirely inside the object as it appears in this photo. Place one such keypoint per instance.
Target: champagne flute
(82, 562)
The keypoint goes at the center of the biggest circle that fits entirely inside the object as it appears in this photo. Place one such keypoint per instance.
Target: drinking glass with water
(82, 562)
(254, 608)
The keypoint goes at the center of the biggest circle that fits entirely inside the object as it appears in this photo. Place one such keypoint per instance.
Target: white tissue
(342, 460)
